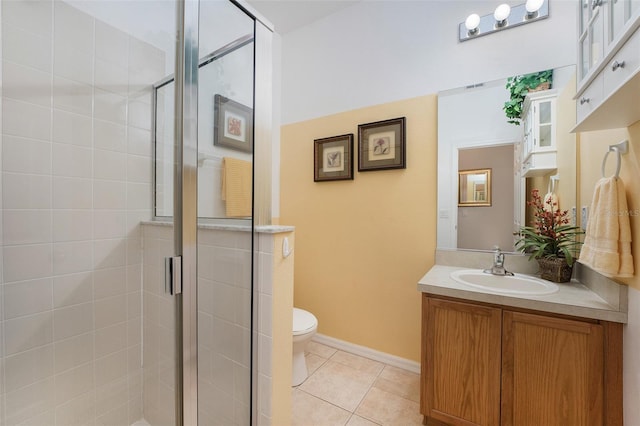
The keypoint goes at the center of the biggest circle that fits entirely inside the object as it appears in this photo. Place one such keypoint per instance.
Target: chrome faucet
(498, 264)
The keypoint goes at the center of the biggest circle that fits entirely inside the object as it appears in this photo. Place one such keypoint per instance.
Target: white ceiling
(288, 15)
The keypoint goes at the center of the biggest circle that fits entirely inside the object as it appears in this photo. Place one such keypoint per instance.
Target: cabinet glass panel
(617, 18)
(584, 15)
(545, 135)
(597, 37)
(584, 56)
(545, 112)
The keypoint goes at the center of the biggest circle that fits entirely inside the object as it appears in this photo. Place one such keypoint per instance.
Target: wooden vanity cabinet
(490, 365)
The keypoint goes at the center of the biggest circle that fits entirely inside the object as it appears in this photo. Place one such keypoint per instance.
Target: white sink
(517, 284)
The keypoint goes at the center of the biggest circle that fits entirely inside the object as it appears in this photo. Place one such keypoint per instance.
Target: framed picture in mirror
(474, 188)
(233, 124)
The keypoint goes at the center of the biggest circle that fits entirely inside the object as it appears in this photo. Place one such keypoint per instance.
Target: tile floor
(346, 389)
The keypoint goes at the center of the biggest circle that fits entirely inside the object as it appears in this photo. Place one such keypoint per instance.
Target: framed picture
(474, 188)
(333, 158)
(233, 124)
(381, 145)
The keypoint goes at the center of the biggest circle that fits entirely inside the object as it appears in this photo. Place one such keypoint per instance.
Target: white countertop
(572, 298)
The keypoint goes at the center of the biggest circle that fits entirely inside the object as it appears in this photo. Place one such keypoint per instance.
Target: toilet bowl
(305, 325)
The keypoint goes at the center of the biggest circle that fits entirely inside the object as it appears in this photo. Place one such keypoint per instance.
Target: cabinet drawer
(623, 64)
(590, 99)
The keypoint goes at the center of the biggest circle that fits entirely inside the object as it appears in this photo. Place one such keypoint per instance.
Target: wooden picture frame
(233, 124)
(474, 188)
(333, 158)
(382, 145)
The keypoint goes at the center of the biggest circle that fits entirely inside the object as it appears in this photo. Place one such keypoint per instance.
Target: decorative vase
(555, 269)
(542, 86)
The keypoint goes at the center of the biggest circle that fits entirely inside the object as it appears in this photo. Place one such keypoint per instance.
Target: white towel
(607, 243)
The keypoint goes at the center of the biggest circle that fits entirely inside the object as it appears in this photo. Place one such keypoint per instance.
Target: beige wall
(566, 187)
(362, 245)
(497, 219)
(592, 148)
(282, 326)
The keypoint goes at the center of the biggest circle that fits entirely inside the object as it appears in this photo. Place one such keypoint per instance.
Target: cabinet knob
(617, 65)
(584, 100)
(596, 3)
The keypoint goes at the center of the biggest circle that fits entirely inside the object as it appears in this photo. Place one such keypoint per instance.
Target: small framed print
(381, 145)
(233, 124)
(333, 158)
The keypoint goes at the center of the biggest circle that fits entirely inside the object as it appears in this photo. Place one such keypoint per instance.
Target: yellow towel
(607, 243)
(236, 186)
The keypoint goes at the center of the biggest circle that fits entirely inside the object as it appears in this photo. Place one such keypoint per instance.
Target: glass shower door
(225, 209)
(80, 294)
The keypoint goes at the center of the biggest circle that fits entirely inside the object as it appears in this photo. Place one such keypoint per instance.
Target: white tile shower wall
(75, 185)
(224, 314)
(264, 312)
(158, 380)
(224, 326)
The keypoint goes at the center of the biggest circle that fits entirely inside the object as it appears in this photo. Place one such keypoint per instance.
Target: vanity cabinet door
(552, 371)
(461, 362)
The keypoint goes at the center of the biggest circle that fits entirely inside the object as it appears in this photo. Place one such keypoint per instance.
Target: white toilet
(305, 325)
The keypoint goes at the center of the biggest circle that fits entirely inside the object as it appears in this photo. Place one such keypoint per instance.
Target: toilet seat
(303, 322)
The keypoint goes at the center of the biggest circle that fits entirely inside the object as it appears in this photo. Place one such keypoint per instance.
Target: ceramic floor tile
(399, 382)
(388, 409)
(359, 363)
(321, 350)
(339, 384)
(360, 421)
(311, 411)
(314, 362)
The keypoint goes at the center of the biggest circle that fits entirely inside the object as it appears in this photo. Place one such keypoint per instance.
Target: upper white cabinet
(609, 64)
(539, 142)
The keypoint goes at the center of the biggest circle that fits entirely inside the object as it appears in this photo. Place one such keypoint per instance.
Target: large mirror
(474, 133)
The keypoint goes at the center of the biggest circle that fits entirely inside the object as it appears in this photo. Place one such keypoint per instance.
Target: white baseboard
(392, 360)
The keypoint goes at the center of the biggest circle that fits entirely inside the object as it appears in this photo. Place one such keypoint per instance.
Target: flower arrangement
(551, 235)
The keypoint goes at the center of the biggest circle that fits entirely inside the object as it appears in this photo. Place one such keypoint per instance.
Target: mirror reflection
(225, 117)
(474, 188)
(478, 129)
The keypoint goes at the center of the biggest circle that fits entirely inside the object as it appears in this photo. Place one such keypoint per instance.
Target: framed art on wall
(233, 124)
(381, 145)
(333, 158)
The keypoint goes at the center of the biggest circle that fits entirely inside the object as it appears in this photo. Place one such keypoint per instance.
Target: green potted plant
(519, 86)
(552, 241)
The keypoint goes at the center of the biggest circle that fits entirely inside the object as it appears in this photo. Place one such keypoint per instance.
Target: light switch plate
(574, 216)
(584, 217)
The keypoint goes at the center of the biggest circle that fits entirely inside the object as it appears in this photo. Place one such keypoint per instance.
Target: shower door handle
(173, 275)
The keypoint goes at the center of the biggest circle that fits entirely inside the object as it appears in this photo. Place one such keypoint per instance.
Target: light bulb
(472, 22)
(533, 6)
(502, 13)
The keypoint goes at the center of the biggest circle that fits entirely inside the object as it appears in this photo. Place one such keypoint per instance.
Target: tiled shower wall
(224, 326)
(76, 182)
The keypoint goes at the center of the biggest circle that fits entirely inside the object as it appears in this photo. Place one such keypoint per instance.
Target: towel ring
(619, 149)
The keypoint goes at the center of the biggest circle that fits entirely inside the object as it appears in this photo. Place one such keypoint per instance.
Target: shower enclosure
(113, 167)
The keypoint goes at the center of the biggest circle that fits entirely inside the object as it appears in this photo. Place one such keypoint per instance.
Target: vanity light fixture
(472, 22)
(532, 7)
(502, 18)
(501, 14)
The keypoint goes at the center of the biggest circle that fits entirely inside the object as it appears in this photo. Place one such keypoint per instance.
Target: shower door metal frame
(185, 209)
